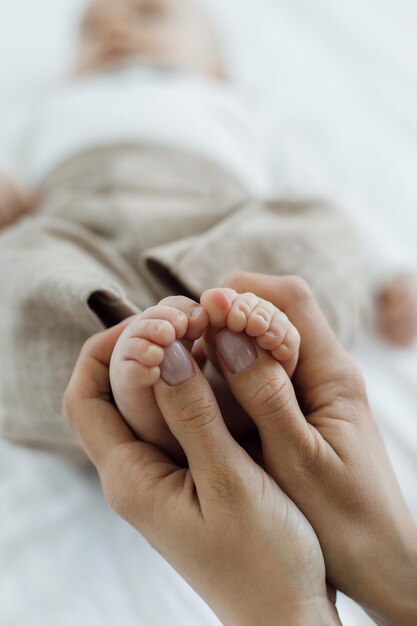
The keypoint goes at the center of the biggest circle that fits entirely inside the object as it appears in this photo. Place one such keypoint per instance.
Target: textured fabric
(136, 103)
(121, 228)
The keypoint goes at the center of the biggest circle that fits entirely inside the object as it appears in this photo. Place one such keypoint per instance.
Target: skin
(171, 33)
(222, 522)
(329, 457)
(174, 33)
(135, 365)
(166, 33)
(324, 449)
(397, 310)
(14, 200)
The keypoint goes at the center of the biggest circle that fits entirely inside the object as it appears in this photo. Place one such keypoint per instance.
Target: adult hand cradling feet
(328, 457)
(223, 523)
(326, 453)
(150, 342)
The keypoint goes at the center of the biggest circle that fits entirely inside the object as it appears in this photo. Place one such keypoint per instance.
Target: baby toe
(178, 319)
(147, 353)
(289, 346)
(197, 316)
(160, 332)
(217, 303)
(240, 311)
(259, 320)
(134, 375)
(274, 337)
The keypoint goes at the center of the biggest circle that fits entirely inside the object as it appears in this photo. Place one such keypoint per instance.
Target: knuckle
(197, 414)
(271, 399)
(91, 344)
(310, 456)
(122, 503)
(352, 395)
(355, 380)
(300, 289)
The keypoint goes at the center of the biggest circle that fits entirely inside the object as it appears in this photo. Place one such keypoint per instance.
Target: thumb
(264, 390)
(191, 412)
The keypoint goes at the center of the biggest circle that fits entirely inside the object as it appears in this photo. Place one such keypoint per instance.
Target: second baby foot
(146, 342)
(258, 318)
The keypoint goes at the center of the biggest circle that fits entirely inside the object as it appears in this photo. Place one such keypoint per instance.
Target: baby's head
(170, 33)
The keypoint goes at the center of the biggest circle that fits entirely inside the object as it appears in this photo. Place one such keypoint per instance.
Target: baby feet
(149, 344)
(149, 340)
(258, 318)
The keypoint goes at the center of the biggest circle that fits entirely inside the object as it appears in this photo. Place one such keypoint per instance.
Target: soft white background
(340, 81)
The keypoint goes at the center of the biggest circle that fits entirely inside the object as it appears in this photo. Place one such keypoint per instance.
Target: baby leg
(258, 318)
(136, 365)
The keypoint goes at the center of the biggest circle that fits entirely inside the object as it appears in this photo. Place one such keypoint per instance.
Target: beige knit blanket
(121, 228)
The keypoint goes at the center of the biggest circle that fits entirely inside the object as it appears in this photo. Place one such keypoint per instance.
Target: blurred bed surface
(340, 82)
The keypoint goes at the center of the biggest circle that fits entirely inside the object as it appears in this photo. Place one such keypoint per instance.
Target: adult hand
(326, 453)
(222, 523)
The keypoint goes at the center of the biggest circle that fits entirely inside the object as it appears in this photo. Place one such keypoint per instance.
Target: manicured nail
(177, 367)
(237, 350)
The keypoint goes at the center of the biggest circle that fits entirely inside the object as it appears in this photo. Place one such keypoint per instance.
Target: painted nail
(177, 367)
(237, 350)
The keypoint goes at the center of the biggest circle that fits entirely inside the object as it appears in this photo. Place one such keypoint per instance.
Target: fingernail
(177, 367)
(196, 312)
(237, 350)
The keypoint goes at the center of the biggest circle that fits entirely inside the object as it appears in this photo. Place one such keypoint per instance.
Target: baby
(170, 35)
(150, 180)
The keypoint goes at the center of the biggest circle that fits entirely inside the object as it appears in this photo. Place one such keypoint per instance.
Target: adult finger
(264, 390)
(190, 409)
(131, 471)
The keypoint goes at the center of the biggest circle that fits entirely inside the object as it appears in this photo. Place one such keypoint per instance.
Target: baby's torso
(153, 107)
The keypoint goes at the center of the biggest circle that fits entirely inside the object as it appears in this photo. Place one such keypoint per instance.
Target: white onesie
(138, 105)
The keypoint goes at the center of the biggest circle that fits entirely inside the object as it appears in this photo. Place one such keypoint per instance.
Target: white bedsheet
(340, 78)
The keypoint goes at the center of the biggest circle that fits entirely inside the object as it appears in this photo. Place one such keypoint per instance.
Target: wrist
(391, 584)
